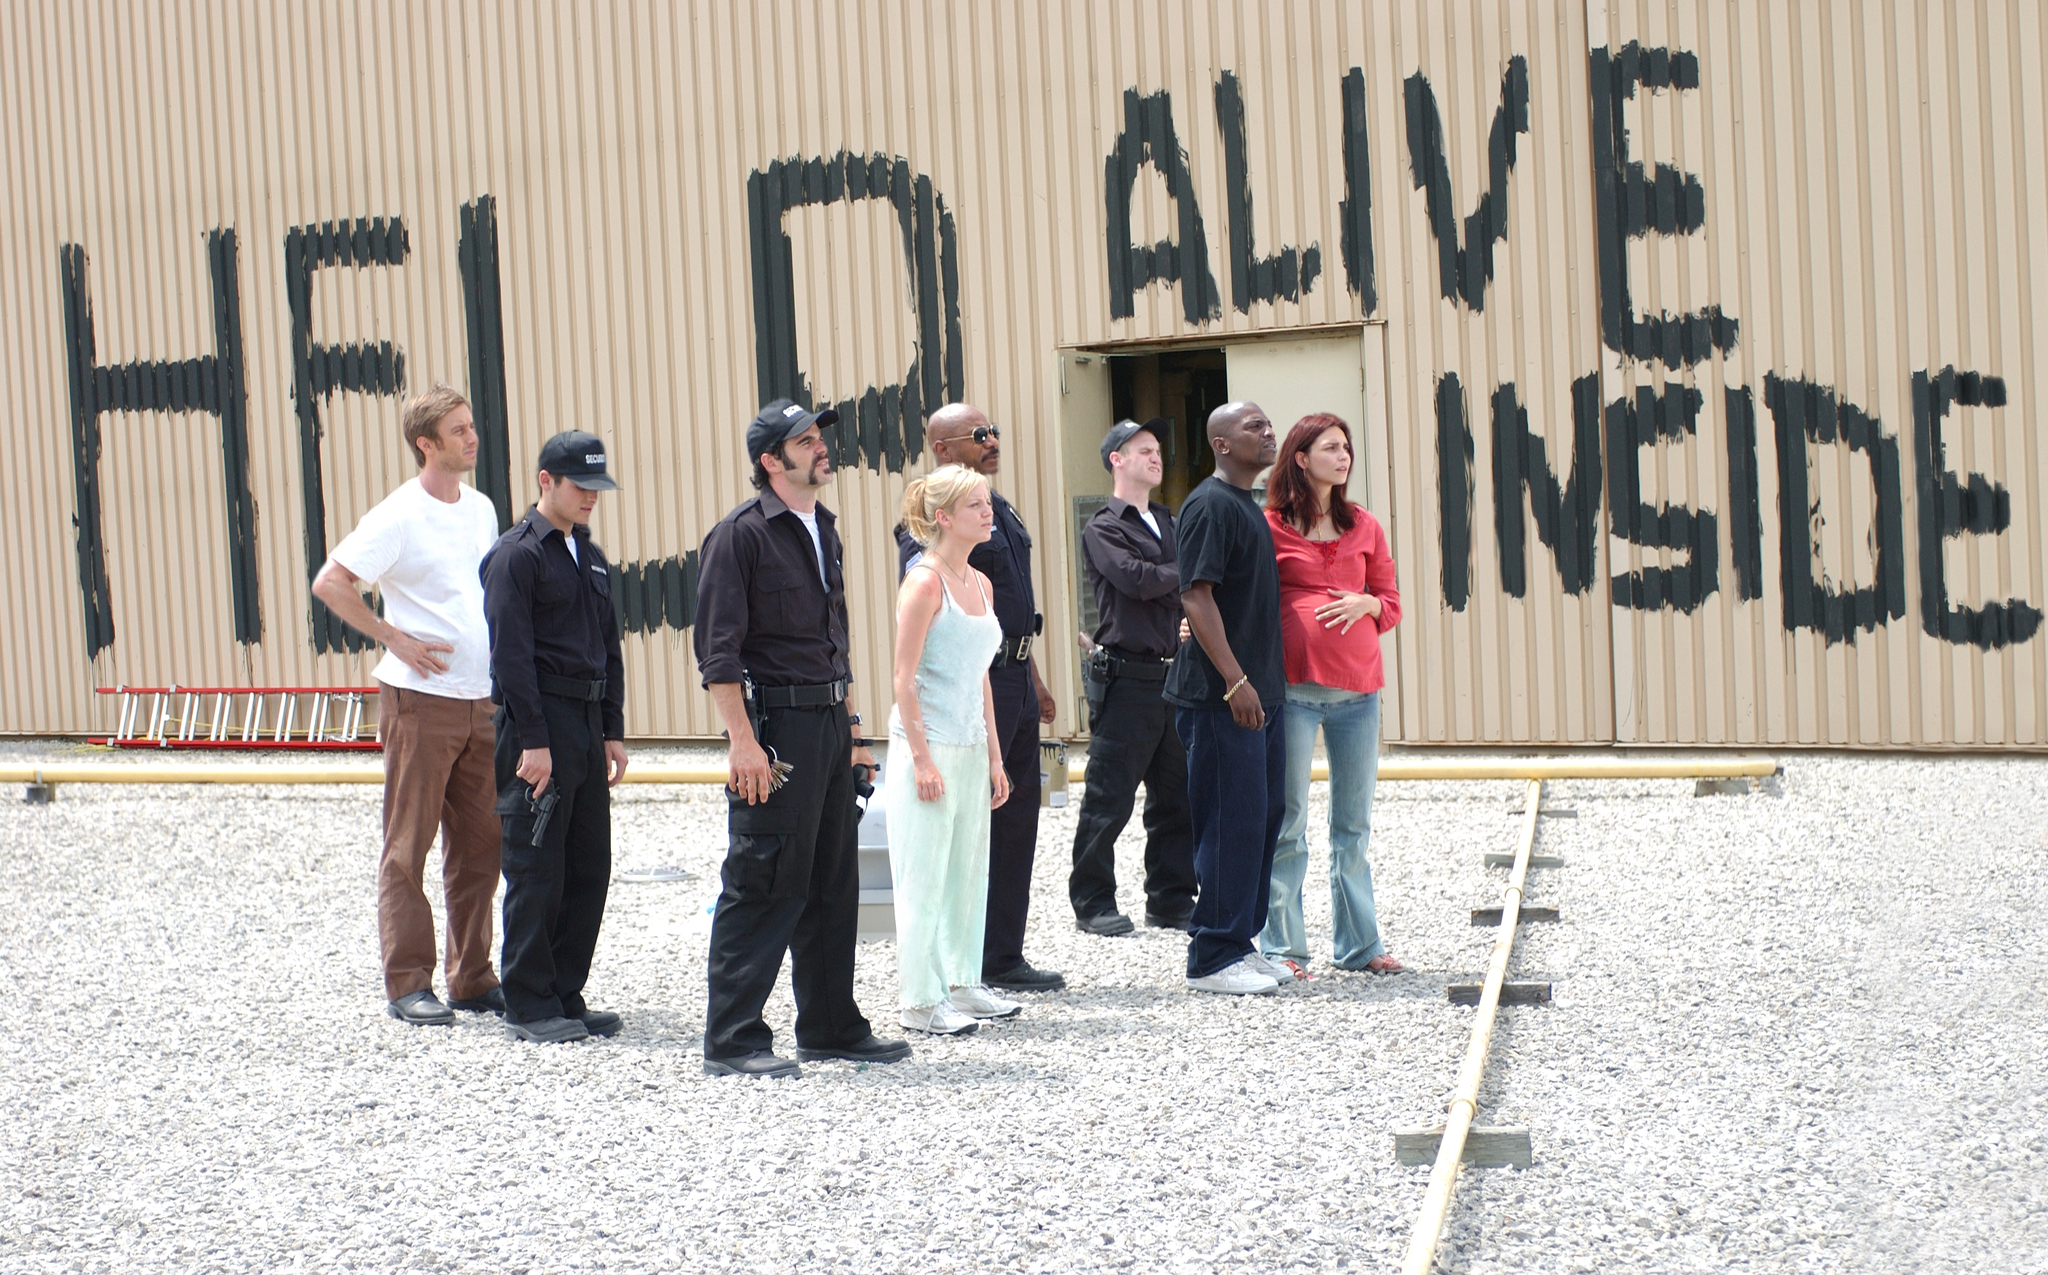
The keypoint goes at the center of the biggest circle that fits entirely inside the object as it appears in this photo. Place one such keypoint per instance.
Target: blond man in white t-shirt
(422, 546)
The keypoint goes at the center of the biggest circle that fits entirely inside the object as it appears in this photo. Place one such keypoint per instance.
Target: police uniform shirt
(1005, 558)
(1135, 577)
(548, 601)
(762, 609)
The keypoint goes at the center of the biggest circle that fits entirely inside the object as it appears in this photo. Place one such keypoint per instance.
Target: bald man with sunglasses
(961, 434)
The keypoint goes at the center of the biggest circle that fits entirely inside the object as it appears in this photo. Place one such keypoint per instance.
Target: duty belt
(1139, 668)
(822, 695)
(1014, 650)
(575, 688)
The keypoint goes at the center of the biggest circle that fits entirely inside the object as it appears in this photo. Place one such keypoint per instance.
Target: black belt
(1139, 668)
(576, 688)
(1014, 650)
(823, 695)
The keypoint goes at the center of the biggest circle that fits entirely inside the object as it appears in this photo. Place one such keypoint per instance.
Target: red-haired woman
(1337, 595)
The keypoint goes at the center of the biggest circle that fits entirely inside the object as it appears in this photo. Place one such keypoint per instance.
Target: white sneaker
(939, 1020)
(1236, 980)
(978, 1002)
(1279, 971)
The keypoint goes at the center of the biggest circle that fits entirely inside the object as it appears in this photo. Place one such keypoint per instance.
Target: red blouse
(1360, 561)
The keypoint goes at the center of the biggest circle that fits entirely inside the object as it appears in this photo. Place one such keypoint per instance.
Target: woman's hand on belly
(1346, 608)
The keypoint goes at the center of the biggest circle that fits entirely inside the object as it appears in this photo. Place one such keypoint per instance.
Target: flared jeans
(1350, 723)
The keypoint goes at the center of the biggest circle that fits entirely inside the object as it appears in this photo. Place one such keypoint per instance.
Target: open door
(1293, 378)
(1086, 413)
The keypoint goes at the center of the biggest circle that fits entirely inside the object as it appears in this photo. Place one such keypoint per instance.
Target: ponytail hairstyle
(943, 488)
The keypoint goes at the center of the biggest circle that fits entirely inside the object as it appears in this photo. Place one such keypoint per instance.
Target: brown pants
(438, 774)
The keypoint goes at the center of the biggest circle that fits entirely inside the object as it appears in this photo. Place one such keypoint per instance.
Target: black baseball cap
(781, 421)
(578, 457)
(1123, 431)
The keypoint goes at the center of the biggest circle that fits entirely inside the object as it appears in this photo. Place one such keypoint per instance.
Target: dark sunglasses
(983, 433)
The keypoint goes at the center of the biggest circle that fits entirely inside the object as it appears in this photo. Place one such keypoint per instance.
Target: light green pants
(938, 861)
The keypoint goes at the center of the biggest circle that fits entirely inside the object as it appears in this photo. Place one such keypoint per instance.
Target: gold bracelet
(1238, 687)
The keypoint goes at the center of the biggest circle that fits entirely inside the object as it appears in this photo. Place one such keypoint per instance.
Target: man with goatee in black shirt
(772, 648)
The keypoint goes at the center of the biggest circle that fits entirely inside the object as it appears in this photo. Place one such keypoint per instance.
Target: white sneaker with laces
(1279, 971)
(978, 1002)
(939, 1020)
(1239, 979)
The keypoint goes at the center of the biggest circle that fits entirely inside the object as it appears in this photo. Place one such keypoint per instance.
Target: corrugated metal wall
(643, 219)
(1868, 178)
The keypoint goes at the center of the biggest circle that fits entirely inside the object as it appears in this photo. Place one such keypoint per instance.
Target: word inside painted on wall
(646, 595)
(1633, 201)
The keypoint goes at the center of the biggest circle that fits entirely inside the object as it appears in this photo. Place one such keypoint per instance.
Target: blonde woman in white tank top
(946, 768)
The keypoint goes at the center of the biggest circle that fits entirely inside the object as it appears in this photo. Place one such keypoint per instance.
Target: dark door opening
(1184, 386)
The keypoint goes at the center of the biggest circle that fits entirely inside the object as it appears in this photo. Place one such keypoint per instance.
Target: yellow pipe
(1393, 768)
(1443, 1176)
(1590, 767)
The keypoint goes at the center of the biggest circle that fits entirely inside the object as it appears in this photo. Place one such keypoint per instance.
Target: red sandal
(1384, 964)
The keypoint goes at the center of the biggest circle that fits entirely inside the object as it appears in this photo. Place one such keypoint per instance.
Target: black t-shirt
(1225, 541)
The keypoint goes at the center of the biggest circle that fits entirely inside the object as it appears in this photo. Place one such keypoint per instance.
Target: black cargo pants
(554, 892)
(1132, 740)
(791, 884)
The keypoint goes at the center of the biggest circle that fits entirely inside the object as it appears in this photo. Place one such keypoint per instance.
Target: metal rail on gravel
(1443, 1176)
(1392, 769)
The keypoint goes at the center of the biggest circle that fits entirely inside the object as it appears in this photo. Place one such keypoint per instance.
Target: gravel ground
(1792, 1031)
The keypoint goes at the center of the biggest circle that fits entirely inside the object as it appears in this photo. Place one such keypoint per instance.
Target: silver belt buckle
(1023, 648)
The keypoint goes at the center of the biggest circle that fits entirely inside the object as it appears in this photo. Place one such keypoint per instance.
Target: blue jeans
(1350, 722)
(1236, 795)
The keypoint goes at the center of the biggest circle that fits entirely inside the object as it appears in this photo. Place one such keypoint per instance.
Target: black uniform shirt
(761, 607)
(550, 614)
(1005, 558)
(1135, 579)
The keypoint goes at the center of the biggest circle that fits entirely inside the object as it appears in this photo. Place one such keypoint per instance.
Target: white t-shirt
(810, 521)
(1150, 521)
(423, 553)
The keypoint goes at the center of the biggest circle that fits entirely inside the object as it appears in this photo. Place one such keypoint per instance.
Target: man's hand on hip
(417, 654)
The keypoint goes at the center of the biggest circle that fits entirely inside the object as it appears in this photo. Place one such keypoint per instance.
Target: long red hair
(1287, 486)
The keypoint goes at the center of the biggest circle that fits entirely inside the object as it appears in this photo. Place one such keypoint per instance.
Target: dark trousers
(1133, 741)
(554, 892)
(1237, 824)
(791, 884)
(1013, 826)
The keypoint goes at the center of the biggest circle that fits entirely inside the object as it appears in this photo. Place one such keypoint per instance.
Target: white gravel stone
(1792, 1032)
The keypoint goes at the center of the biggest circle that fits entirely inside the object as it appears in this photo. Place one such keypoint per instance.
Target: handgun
(541, 808)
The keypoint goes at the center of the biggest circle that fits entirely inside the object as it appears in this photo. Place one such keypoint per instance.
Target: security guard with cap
(560, 687)
(1128, 553)
(771, 644)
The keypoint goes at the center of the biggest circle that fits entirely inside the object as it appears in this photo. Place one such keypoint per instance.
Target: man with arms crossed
(772, 648)
(1230, 684)
(421, 546)
(1128, 551)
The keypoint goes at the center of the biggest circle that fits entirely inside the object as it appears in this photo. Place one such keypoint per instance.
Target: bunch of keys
(779, 772)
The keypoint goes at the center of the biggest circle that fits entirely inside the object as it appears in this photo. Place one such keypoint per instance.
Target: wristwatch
(853, 719)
